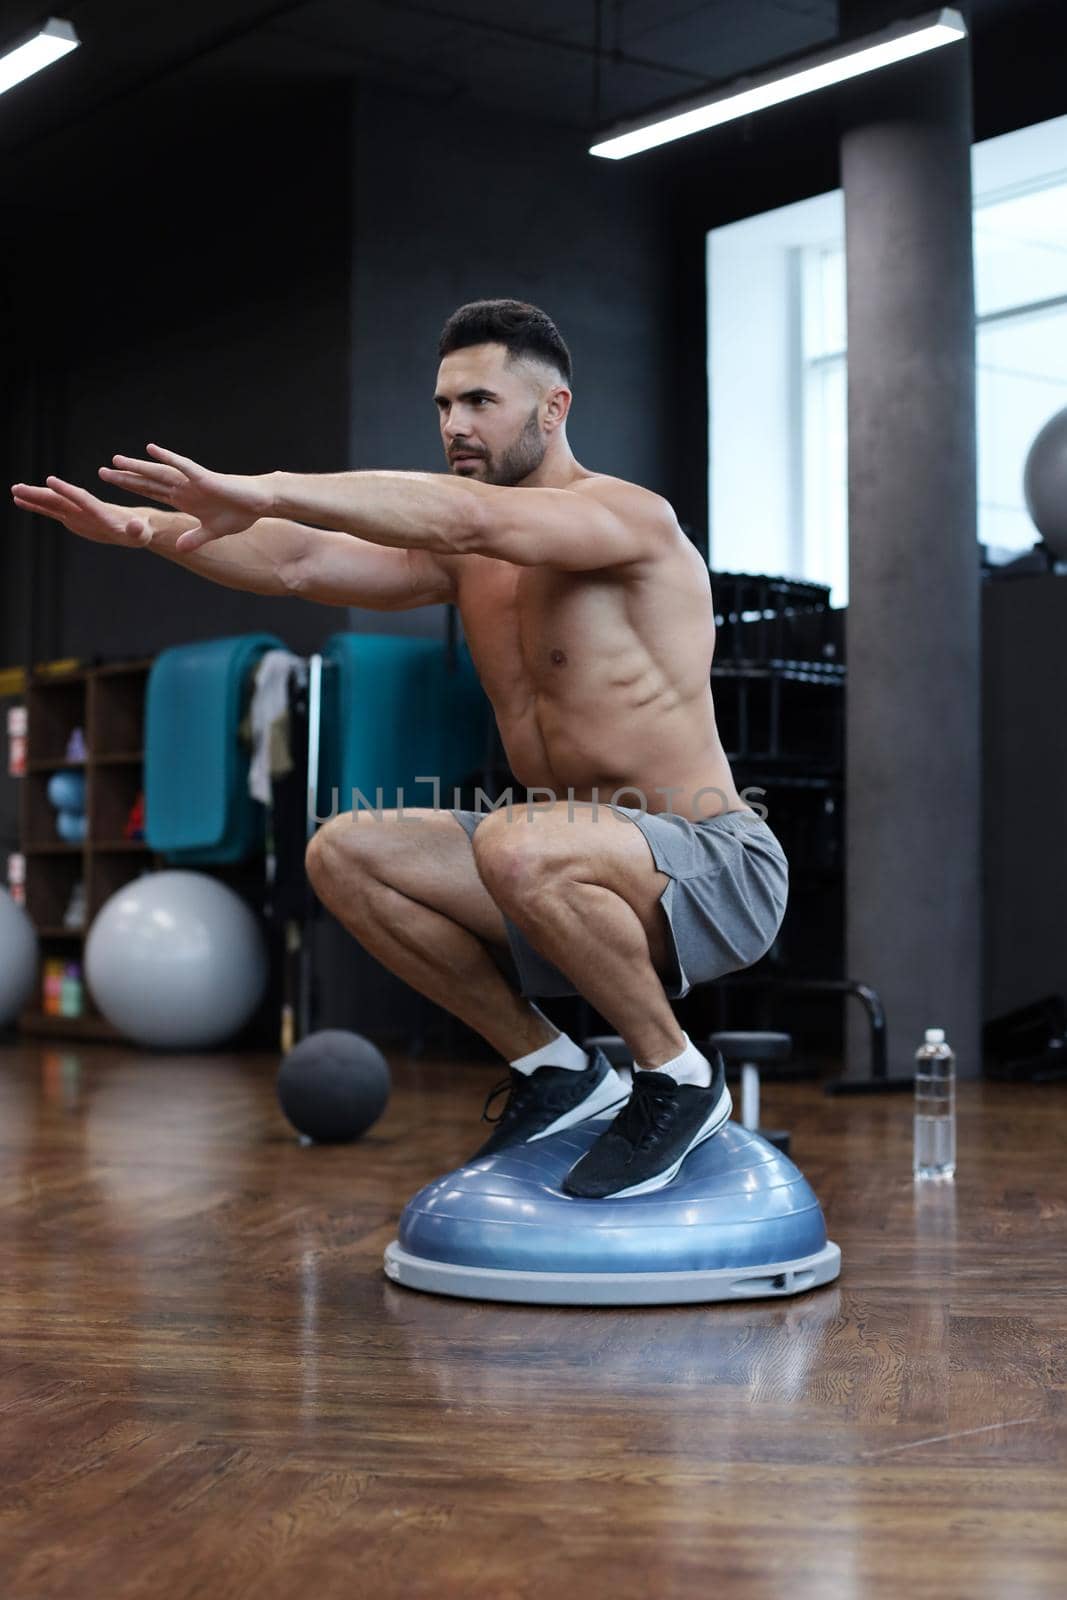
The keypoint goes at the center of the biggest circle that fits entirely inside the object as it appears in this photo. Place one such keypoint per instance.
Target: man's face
(495, 415)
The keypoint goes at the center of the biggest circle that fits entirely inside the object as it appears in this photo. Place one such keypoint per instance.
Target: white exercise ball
(176, 959)
(18, 958)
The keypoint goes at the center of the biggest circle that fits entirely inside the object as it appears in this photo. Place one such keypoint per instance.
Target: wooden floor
(208, 1389)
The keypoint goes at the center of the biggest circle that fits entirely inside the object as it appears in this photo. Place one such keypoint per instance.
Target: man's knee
(335, 848)
(517, 860)
(357, 847)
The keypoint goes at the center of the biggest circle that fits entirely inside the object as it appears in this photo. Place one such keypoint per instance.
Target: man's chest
(533, 631)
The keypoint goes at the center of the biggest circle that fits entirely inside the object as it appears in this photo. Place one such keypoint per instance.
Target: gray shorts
(729, 882)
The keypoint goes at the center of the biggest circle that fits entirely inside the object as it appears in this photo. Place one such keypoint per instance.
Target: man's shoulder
(629, 500)
(671, 555)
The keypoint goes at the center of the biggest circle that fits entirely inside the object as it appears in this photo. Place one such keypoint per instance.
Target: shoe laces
(521, 1091)
(516, 1085)
(650, 1109)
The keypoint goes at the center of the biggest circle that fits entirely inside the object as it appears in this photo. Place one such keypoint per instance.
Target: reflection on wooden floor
(208, 1389)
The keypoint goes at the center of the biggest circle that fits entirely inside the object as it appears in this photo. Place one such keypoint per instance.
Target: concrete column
(913, 776)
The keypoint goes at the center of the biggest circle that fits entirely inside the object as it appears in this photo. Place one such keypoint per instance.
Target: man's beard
(520, 458)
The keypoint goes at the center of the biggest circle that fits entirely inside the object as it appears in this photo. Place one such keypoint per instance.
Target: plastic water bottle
(935, 1107)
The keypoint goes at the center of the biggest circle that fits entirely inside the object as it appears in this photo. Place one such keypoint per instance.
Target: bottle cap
(935, 1035)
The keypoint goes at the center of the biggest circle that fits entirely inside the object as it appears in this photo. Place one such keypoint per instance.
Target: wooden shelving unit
(108, 704)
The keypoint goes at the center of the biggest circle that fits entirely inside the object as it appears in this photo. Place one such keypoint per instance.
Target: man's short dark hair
(524, 329)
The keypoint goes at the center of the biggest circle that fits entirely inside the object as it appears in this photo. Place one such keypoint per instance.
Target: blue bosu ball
(740, 1221)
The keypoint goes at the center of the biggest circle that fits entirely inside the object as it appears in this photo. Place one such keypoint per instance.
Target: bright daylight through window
(777, 363)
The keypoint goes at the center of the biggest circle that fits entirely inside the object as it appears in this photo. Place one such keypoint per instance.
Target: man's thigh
(589, 844)
(425, 855)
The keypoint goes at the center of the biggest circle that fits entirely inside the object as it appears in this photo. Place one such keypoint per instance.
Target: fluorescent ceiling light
(895, 43)
(52, 40)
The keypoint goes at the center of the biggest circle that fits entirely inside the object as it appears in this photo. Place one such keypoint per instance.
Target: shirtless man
(588, 615)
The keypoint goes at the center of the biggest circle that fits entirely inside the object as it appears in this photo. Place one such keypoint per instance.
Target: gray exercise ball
(1045, 483)
(18, 958)
(176, 960)
(333, 1086)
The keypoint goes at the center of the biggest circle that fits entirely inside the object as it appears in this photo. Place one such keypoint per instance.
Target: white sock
(690, 1067)
(558, 1052)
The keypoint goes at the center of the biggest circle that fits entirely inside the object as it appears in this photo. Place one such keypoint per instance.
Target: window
(1021, 291)
(777, 363)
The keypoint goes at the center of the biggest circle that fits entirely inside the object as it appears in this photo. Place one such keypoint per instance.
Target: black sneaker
(551, 1098)
(645, 1146)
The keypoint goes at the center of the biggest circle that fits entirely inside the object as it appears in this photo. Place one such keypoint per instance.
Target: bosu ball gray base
(739, 1222)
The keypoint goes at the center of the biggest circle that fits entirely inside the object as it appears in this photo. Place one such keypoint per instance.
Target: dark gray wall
(453, 205)
(193, 289)
(1024, 790)
(278, 303)
(254, 380)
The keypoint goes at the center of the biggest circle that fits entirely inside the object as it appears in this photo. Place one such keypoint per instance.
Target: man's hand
(83, 513)
(222, 502)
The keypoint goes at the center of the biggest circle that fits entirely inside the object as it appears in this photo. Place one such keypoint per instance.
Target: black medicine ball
(333, 1085)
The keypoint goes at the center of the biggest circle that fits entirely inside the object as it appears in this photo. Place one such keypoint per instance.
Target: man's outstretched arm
(270, 557)
(598, 523)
